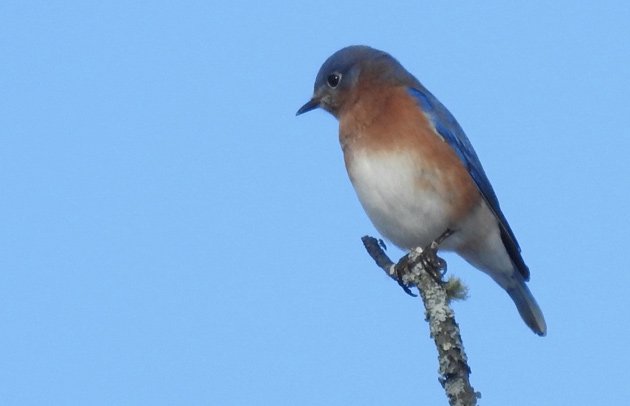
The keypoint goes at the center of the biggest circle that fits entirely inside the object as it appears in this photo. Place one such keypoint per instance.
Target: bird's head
(345, 70)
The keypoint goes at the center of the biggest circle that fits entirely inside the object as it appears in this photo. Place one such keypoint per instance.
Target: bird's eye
(333, 79)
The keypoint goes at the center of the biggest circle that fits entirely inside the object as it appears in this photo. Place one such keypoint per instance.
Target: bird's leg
(429, 259)
(433, 264)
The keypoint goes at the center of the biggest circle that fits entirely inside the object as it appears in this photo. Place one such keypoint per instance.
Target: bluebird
(414, 170)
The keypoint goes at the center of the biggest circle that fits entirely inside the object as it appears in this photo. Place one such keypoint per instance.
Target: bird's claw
(429, 259)
(433, 264)
(406, 288)
(400, 269)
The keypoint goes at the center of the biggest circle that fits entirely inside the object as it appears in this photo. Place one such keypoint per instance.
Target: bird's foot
(400, 270)
(434, 265)
(429, 259)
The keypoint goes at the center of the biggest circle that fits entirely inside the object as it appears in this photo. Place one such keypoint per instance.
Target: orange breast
(389, 120)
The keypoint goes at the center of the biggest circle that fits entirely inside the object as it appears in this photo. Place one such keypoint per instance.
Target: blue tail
(527, 307)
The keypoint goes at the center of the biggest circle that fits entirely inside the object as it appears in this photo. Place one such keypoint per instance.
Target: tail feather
(527, 307)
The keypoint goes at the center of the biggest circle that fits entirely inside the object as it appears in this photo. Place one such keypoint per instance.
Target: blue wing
(446, 125)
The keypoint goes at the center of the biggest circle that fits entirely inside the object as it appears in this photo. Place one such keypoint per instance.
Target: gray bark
(421, 268)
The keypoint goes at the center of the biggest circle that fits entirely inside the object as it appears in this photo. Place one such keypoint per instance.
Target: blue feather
(450, 130)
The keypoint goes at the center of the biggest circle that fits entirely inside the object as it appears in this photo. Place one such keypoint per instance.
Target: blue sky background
(170, 233)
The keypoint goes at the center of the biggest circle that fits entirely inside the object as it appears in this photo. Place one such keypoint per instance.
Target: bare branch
(412, 270)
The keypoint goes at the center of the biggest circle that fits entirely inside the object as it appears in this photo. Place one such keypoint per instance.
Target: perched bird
(414, 170)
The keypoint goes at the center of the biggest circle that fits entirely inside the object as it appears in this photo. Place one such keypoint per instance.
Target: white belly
(404, 202)
(409, 206)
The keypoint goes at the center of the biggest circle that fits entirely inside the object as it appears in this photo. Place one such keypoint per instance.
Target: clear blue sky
(170, 233)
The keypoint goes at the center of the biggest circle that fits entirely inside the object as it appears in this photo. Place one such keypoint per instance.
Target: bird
(415, 171)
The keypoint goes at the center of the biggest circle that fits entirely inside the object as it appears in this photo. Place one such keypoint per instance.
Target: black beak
(310, 105)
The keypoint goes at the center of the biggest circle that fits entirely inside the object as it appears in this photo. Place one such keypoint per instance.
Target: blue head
(346, 69)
